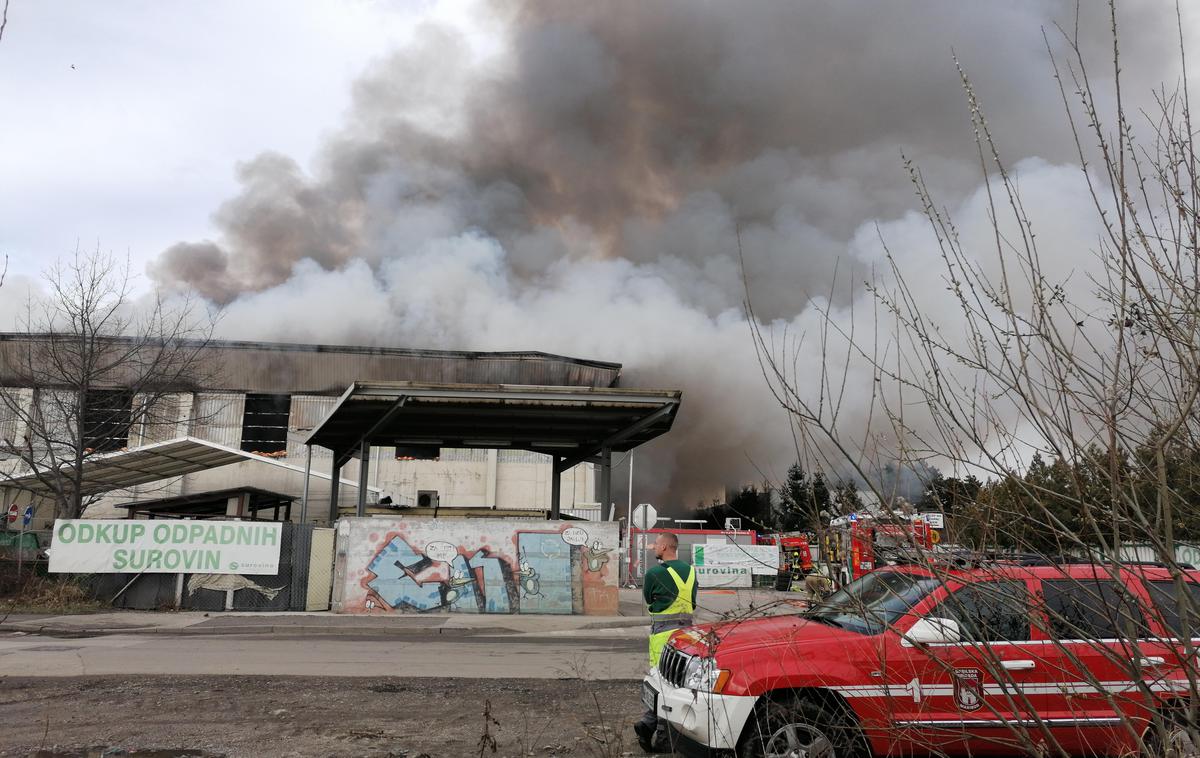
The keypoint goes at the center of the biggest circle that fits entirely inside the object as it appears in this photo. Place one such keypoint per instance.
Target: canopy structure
(239, 502)
(141, 465)
(570, 424)
(144, 465)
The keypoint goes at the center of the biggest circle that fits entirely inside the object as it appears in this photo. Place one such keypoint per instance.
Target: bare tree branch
(3, 19)
(94, 370)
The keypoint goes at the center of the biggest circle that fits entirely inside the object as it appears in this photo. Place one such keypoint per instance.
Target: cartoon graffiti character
(457, 581)
(596, 556)
(531, 584)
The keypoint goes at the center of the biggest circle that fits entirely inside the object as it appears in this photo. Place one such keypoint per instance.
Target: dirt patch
(316, 716)
(106, 751)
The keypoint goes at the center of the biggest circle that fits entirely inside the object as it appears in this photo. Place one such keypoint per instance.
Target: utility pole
(629, 529)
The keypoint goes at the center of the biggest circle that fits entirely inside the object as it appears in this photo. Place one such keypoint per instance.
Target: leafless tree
(1103, 381)
(94, 366)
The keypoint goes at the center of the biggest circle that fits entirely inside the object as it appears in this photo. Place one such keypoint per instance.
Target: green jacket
(658, 589)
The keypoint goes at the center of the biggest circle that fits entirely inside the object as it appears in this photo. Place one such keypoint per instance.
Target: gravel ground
(168, 716)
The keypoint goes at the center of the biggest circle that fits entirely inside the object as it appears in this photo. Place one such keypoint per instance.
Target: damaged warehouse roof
(291, 368)
(570, 424)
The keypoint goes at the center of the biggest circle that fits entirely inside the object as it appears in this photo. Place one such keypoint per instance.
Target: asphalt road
(595, 655)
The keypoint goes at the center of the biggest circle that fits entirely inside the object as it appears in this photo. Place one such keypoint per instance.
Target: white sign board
(722, 576)
(645, 516)
(757, 559)
(130, 546)
(935, 520)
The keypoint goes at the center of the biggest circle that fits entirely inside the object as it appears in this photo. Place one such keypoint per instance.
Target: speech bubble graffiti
(441, 551)
(574, 536)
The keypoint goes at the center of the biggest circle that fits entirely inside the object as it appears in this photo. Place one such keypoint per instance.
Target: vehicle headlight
(702, 674)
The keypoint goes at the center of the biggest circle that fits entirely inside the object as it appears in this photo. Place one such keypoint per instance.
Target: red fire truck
(795, 557)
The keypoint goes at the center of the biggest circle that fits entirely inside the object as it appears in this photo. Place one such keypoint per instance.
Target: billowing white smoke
(461, 291)
(582, 191)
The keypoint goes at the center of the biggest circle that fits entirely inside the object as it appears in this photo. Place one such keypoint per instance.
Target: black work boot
(645, 730)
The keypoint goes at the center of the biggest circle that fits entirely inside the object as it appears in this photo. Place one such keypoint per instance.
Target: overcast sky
(121, 122)
(587, 178)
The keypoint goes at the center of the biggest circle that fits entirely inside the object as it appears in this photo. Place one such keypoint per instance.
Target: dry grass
(39, 594)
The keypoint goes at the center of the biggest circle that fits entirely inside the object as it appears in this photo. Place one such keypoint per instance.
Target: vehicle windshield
(874, 602)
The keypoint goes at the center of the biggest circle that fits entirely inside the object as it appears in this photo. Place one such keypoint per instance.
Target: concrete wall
(475, 566)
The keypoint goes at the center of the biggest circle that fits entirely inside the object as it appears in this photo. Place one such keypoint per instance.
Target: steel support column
(555, 485)
(335, 479)
(364, 467)
(605, 478)
(304, 500)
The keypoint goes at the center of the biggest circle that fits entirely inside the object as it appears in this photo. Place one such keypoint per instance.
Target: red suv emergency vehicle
(996, 659)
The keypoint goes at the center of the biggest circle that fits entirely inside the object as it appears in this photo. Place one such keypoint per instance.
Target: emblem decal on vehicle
(968, 689)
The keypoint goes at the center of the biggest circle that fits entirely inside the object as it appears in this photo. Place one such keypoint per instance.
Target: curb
(300, 630)
(257, 629)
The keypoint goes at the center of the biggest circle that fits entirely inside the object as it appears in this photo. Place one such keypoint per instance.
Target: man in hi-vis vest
(670, 593)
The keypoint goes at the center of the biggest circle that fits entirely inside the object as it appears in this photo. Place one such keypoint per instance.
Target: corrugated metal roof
(163, 460)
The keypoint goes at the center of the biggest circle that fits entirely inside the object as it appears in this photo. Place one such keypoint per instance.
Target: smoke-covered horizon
(608, 181)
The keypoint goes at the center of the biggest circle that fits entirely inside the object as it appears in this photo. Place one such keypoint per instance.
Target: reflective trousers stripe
(673, 621)
(661, 629)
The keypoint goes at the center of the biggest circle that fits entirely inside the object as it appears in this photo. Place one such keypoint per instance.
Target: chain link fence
(301, 584)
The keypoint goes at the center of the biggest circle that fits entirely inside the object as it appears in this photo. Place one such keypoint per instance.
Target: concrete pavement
(713, 605)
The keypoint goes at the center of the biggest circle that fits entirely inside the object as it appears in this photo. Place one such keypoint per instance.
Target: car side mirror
(932, 630)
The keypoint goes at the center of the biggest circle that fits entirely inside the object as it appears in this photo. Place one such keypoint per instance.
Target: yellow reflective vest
(675, 616)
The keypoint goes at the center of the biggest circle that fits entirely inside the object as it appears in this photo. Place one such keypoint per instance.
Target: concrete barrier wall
(475, 566)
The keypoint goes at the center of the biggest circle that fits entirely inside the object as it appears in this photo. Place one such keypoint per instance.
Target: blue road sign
(28, 515)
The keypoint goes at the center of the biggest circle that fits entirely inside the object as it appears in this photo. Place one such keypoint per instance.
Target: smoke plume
(574, 177)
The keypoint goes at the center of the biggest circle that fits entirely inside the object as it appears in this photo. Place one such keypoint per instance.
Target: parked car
(992, 659)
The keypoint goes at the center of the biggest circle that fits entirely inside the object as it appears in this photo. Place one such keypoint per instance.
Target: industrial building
(258, 404)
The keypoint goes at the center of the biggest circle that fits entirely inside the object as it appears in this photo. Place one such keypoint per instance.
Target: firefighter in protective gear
(669, 590)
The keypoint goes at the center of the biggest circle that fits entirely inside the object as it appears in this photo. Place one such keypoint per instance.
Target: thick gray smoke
(581, 188)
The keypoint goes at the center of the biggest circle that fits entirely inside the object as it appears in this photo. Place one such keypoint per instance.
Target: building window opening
(107, 416)
(265, 424)
(418, 452)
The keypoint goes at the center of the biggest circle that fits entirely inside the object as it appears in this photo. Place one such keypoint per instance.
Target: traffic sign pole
(20, 540)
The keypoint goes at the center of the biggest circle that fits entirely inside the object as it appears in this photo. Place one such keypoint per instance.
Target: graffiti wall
(455, 565)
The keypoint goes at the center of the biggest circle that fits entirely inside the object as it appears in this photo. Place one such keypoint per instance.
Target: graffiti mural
(475, 566)
(546, 576)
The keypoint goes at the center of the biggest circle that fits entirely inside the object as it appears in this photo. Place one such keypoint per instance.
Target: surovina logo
(233, 565)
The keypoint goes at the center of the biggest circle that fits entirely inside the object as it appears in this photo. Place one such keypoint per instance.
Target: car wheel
(798, 727)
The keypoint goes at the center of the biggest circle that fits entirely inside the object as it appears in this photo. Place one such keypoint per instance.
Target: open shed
(572, 425)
